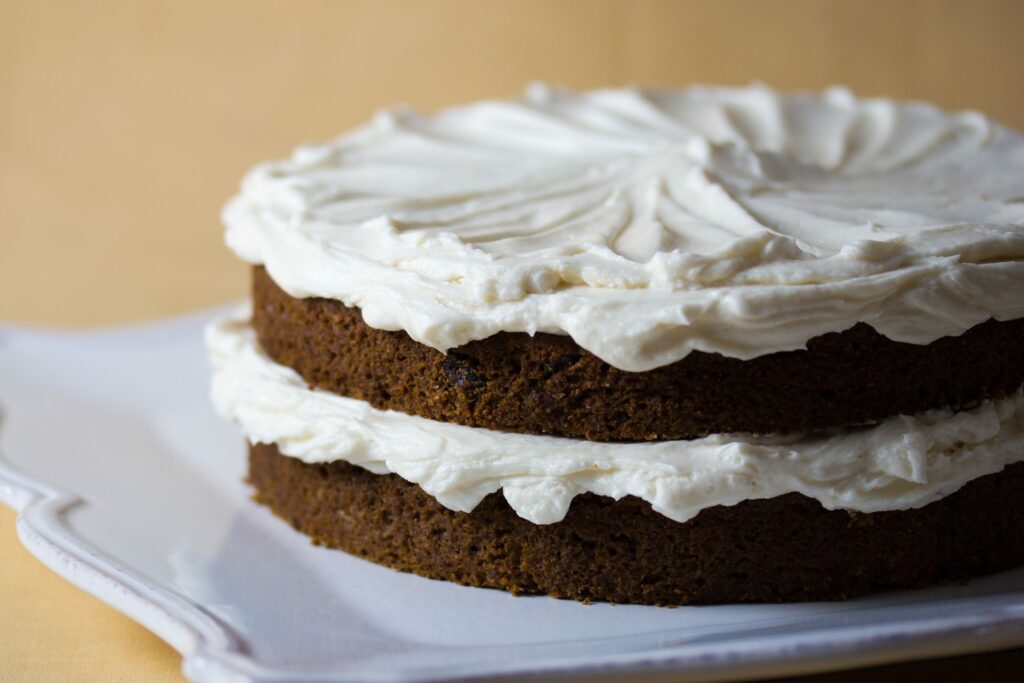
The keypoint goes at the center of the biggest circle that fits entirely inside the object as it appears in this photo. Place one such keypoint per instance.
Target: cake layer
(904, 462)
(547, 384)
(777, 550)
(647, 225)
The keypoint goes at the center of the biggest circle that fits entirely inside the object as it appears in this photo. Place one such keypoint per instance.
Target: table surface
(51, 631)
(124, 126)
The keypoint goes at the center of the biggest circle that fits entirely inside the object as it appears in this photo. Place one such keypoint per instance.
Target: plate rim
(212, 652)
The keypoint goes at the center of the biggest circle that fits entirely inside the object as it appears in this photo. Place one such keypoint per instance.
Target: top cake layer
(646, 225)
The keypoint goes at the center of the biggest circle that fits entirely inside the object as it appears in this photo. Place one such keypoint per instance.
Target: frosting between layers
(648, 224)
(904, 462)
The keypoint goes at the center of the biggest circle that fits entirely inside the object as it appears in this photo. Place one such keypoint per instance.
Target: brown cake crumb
(547, 384)
(781, 549)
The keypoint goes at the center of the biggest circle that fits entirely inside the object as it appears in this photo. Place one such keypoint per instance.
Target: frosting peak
(647, 224)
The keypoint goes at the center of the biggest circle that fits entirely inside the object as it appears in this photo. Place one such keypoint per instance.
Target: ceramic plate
(132, 489)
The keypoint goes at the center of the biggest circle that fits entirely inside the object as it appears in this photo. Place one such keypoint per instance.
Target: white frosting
(649, 224)
(904, 462)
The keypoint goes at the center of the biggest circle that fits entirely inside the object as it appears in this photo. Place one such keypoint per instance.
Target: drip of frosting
(648, 224)
(904, 462)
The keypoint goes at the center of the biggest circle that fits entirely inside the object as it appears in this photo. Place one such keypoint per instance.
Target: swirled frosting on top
(648, 224)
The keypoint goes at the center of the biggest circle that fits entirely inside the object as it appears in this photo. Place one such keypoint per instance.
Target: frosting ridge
(648, 224)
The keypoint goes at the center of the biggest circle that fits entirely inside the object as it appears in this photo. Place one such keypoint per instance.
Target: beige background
(125, 125)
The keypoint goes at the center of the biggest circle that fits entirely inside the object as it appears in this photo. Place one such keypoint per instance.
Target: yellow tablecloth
(51, 631)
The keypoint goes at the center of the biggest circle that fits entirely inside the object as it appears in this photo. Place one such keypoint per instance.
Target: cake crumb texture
(781, 549)
(547, 384)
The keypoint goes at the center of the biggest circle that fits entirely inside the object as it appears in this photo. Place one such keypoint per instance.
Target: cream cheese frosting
(904, 462)
(648, 224)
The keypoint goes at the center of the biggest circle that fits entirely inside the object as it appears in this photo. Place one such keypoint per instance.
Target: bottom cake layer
(780, 549)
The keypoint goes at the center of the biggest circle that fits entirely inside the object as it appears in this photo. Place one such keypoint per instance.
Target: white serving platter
(131, 488)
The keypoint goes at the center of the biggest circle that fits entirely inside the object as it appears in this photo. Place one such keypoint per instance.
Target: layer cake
(660, 347)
